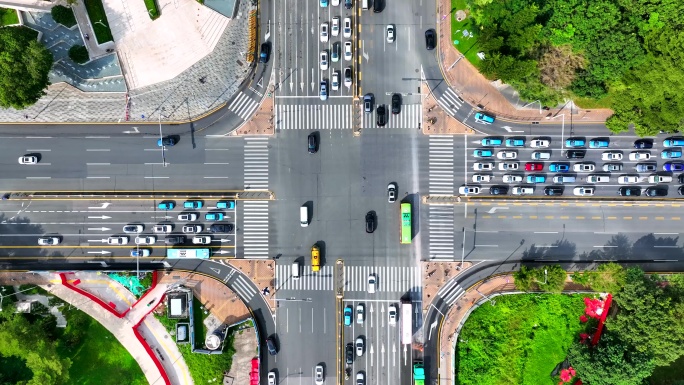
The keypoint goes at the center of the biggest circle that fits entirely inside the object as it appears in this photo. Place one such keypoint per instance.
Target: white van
(295, 270)
(365, 4)
(564, 179)
(304, 216)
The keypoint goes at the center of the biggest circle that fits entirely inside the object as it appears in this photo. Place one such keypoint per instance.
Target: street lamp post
(536, 101)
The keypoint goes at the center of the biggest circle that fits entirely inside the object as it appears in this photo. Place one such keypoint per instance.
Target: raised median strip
(532, 200)
(138, 195)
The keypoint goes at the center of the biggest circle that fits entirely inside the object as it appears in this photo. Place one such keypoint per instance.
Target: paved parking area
(508, 163)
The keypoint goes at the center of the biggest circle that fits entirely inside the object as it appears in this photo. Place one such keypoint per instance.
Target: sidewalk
(475, 89)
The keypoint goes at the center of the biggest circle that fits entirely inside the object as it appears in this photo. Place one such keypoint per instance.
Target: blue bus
(187, 253)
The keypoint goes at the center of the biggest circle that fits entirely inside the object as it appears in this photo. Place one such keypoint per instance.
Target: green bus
(405, 223)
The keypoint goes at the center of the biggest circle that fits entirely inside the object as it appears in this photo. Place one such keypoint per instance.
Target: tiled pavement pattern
(205, 86)
(100, 75)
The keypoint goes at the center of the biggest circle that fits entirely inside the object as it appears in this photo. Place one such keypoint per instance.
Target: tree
(63, 15)
(558, 66)
(24, 66)
(524, 279)
(79, 54)
(612, 361)
(607, 278)
(649, 319)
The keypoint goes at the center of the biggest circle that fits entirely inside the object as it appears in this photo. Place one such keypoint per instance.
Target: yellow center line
(643, 218)
(659, 218)
(628, 218)
(675, 218)
(549, 217)
(533, 217)
(595, 217)
(517, 217)
(564, 217)
(502, 217)
(611, 217)
(579, 217)
(486, 216)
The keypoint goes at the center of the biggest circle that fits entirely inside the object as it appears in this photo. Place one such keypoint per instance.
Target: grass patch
(204, 368)
(152, 9)
(98, 18)
(519, 340)
(8, 16)
(466, 45)
(99, 355)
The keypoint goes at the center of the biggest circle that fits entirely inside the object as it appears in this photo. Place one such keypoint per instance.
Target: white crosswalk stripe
(441, 165)
(389, 278)
(255, 228)
(243, 288)
(450, 101)
(441, 232)
(256, 163)
(313, 117)
(451, 292)
(409, 117)
(243, 106)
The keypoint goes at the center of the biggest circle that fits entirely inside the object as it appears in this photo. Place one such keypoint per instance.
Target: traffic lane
(306, 332)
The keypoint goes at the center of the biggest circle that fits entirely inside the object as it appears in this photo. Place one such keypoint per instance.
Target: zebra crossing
(450, 101)
(441, 232)
(389, 278)
(409, 117)
(313, 117)
(255, 229)
(441, 165)
(256, 163)
(450, 292)
(243, 288)
(243, 106)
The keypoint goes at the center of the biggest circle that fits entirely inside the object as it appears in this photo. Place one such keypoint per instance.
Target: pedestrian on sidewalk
(87, 37)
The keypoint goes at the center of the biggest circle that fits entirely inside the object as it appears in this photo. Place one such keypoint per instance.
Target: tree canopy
(24, 66)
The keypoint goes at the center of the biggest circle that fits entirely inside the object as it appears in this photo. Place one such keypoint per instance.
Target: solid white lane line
(98, 149)
(38, 150)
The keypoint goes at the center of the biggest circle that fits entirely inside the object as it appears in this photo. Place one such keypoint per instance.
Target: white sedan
(324, 61)
(201, 239)
(468, 190)
(611, 155)
(639, 155)
(628, 179)
(483, 166)
(324, 32)
(503, 166)
(146, 240)
(510, 178)
(347, 50)
(271, 378)
(390, 33)
(583, 167)
(482, 178)
(28, 159)
(47, 241)
(540, 143)
(507, 155)
(162, 229)
(346, 32)
(335, 30)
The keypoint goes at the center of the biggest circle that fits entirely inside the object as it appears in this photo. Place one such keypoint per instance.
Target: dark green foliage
(550, 278)
(24, 66)
(607, 278)
(8, 16)
(79, 54)
(14, 371)
(519, 340)
(76, 329)
(63, 15)
(98, 18)
(612, 361)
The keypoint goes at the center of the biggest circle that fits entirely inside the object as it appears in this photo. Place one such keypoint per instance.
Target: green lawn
(100, 359)
(98, 18)
(519, 340)
(466, 45)
(8, 16)
(203, 368)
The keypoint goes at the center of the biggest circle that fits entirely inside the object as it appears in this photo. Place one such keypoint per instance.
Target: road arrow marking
(509, 129)
(432, 327)
(102, 252)
(301, 76)
(215, 270)
(222, 252)
(132, 132)
(363, 50)
(260, 83)
(97, 240)
(99, 228)
(493, 209)
(225, 240)
(312, 79)
(100, 217)
(103, 206)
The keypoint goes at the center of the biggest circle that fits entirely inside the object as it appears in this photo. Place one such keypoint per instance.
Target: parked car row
(196, 204)
(630, 191)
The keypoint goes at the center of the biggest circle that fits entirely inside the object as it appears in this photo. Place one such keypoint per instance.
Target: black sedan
(221, 228)
(643, 143)
(382, 115)
(656, 192)
(265, 52)
(629, 191)
(370, 222)
(430, 39)
(498, 190)
(553, 191)
(349, 354)
(396, 103)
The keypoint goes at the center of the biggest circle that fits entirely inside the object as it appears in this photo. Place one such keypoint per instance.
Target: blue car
(225, 204)
(598, 143)
(213, 216)
(671, 142)
(491, 142)
(673, 166)
(483, 153)
(324, 3)
(347, 316)
(167, 141)
(192, 205)
(559, 167)
(671, 153)
(483, 118)
(536, 179)
(575, 142)
(515, 142)
(166, 206)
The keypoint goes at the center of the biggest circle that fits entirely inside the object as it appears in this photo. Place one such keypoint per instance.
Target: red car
(531, 166)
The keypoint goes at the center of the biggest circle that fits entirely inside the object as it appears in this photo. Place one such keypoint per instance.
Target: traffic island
(436, 121)
(261, 123)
